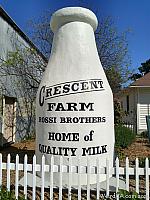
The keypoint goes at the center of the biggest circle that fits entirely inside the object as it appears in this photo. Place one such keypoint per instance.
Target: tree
(112, 47)
(113, 52)
(143, 69)
(20, 77)
(23, 68)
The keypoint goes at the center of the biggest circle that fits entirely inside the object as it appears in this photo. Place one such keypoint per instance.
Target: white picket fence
(117, 171)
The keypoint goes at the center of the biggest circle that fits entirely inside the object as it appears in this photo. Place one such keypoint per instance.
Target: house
(135, 101)
(10, 37)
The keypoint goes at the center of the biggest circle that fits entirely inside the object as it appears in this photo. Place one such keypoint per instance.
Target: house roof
(142, 82)
(8, 19)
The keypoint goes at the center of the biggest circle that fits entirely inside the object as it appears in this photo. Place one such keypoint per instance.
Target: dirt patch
(20, 148)
(138, 149)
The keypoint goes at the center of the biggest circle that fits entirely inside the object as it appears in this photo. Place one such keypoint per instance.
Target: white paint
(33, 167)
(74, 60)
(139, 107)
(65, 15)
(9, 39)
(144, 107)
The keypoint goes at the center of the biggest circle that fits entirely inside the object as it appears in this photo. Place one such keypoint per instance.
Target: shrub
(123, 136)
(142, 162)
(144, 134)
(28, 137)
(118, 111)
(5, 195)
(124, 194)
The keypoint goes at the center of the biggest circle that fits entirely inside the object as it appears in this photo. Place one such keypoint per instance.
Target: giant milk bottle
(74, 104)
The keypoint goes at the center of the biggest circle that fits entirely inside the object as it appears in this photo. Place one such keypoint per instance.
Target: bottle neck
(74, 55)
(74, 42)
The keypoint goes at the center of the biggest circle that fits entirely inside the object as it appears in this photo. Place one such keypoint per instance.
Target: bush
(142, 162)
(118, 111)
(5, 195)
(123, 194)
(123, 136)
(144, 134)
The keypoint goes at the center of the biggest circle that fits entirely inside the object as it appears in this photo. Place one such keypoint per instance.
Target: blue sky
(132, 14)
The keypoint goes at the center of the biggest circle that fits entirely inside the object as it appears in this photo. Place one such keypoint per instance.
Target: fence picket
(51, 177)
(137, 175)
(88, 179)
(147, 178)
(98, 178)
(70, 169)
(8, 172)
(16, 176)
(0, 171)
(107, 178)
(117, 177)
(79, 179)
(70, 178)
(25, 175)
(34, 178)
(60, 178)
(43, 177)
(127, 174)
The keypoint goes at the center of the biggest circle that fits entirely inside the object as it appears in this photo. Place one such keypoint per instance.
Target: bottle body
(74, 113)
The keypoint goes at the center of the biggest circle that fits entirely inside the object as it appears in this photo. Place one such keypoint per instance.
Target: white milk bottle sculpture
(74, 107)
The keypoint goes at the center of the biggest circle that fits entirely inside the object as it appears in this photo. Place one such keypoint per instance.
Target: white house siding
(144, 107)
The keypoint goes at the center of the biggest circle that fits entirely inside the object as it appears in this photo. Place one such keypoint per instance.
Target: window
(127, 103)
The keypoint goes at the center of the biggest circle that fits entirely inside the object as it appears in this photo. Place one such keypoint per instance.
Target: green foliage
(118, 112)
(135, 76)
(123, 136)
(115, 78)
(5, 195)
(23, 68)
(124, 194)
(144, 134)
(120, 154)
(143, 69)
(28, 137)
(142, 162)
